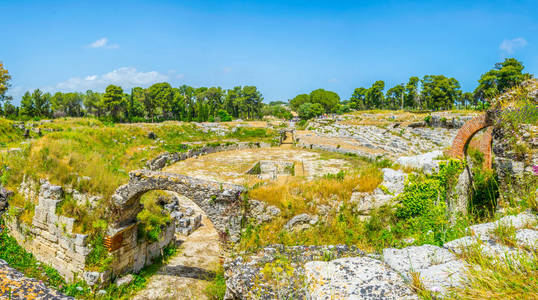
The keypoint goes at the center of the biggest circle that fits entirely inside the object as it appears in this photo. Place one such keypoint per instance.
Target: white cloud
(509, 46)
(333, 80)
(103, 43)
(126, 77)
(226, 70)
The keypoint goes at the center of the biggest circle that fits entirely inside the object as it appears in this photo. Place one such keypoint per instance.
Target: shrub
(420, 195)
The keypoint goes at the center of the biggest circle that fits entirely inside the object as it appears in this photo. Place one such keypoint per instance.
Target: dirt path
(185, 276)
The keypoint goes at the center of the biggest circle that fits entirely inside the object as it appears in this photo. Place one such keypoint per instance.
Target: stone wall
(133, 254)
(51, 238)
(220, 202)
(167, 158)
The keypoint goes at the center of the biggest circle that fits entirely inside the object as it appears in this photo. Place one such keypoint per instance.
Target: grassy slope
(95, 158)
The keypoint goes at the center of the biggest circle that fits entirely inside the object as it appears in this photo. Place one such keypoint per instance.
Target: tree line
(161, 101)
(158, 102)
(432, 92)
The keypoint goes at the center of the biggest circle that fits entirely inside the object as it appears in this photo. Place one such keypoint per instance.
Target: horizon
(282, 48)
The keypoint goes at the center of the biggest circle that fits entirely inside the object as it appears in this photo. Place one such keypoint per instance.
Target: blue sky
(283, 47)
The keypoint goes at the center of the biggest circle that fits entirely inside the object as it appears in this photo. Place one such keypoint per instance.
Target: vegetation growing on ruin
(510, 277)
(94, 158)
(421, 213)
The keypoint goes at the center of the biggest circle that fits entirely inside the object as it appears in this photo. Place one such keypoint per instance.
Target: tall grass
(510, 277)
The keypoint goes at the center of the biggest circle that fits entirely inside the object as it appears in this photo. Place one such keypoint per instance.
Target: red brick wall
(466, 133)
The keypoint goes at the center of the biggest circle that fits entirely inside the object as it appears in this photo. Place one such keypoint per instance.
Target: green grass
(513, 277)
(83, 147)
(18, 258)
(216, 288)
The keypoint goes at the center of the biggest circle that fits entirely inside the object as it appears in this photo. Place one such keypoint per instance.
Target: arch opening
(219, 201)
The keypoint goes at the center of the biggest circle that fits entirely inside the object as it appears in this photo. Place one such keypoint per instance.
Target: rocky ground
(232, 166)
(14, 285)
(340, 272)
(367, 137)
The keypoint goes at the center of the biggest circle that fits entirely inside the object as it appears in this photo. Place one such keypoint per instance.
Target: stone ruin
(272, 169)
(51, 238)
(220, 202)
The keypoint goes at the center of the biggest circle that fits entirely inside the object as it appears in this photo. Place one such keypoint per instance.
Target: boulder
(366, 202)
(354, 278)
(438, 269)
(393, 180)
(426, 162)
(527, 238)
(124, 280)
(301, 222)
(262, 212)
(415, 258)
(245, 277)
(4, 196)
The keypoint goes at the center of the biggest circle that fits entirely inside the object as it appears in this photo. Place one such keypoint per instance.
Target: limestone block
(354, 278)
(415, 258)
(81, 239)
(82, 250)
(66, 242)
(66, 224)
(439, 278)
(527, 238)
(49, 237)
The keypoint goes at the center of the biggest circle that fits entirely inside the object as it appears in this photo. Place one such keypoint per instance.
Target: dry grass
(505, 234)
(513, 277)
(338, 223)
(299, 196)
(418, 286)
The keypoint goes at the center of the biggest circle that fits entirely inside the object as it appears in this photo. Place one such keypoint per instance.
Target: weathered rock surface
(301, 222)
(354, 278)
(262, 212)
(14, 285)
(245, 277)
(4, 196)
(392, 185)
(416, 258)
(393, 181)
(437, 268)
(167, 158)
(124, 280)
(426, 162)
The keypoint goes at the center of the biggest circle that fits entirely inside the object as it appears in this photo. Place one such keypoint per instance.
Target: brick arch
(466, 133)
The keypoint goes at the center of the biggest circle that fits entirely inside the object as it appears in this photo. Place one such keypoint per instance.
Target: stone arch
(466, 133)
(219, 201)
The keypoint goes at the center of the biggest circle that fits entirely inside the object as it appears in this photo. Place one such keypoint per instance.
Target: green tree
(395, 97)
(440, 92)
(327, 99)
(310, 110)
(299, 100)
(113, 100)
(412, 97)
(160, 96)
(4, 84)
(358, 99)
(374, 95)
(41, 103)
(27, 105)
(502, 77)
(93, 102)
(467, 98)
